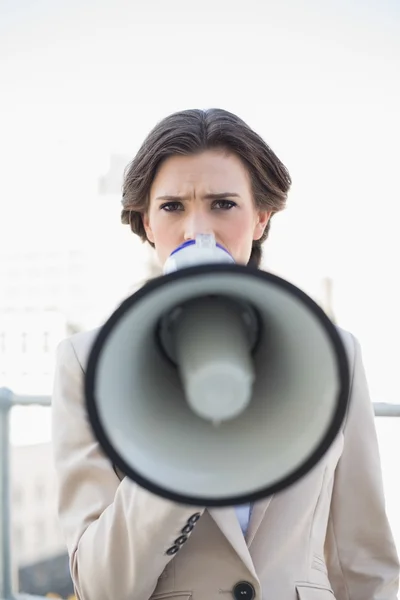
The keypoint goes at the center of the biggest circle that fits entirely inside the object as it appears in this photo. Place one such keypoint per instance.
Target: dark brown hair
(192, 131)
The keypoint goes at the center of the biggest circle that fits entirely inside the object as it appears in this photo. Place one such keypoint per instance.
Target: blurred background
(82, 83)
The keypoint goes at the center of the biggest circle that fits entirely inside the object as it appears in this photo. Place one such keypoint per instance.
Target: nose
(195, 223)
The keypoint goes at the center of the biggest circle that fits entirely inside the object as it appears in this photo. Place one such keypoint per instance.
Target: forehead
(209, 171)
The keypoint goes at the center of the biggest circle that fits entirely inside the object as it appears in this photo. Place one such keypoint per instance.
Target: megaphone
(216, 384)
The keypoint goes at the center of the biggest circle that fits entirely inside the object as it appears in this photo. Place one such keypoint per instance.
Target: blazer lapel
(227, 521)
(256, 518)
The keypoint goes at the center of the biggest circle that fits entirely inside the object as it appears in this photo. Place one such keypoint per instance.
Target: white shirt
(243, 514)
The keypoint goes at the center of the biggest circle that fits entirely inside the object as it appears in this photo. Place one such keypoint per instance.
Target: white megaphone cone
(213, 342)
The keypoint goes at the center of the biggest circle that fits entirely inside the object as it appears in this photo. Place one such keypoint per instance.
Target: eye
(224, 204)
(171, 206)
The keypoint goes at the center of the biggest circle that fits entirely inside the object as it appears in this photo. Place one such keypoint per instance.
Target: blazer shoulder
(349, 342)
(81, 344)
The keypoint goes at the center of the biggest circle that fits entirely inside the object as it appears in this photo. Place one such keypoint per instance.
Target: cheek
(237, 236)
(164, 228)
(241, 228)
(154, 225)
(164, 234)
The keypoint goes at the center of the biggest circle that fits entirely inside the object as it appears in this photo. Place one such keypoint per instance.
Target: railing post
(6, 586)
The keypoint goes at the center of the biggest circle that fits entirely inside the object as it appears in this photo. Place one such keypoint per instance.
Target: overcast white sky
(319, 81)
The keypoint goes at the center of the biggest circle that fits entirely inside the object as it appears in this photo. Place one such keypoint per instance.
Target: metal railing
(7, 401)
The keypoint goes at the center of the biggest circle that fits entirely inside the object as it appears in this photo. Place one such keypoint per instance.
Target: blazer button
(244, 591)
(187, 529)
(173, 550)
(193, 519)
(181, 540)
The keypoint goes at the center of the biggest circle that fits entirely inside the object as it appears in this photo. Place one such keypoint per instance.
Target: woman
(328, 535)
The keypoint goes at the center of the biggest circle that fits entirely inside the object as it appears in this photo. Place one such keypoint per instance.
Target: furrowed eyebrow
(219, 196)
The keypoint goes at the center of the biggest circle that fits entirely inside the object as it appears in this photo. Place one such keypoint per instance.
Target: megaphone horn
(216, 384)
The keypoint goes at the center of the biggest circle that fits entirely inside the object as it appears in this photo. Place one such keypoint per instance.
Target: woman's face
(203, 193)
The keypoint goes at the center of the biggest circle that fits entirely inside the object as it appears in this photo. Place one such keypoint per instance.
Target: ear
(262, 220)
(147, 227)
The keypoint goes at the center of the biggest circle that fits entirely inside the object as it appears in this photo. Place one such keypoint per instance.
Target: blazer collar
(227, 521)
(257, 515)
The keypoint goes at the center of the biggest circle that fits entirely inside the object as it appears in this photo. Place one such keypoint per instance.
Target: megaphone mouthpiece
(202, 250)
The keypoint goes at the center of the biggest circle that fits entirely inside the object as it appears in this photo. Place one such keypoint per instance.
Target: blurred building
(49, 577)
(36, 533)
(65, 281)
(39, 556)
(28, 341)
(110, 186)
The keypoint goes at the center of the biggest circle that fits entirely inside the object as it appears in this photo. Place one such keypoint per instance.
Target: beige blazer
(326, 537)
